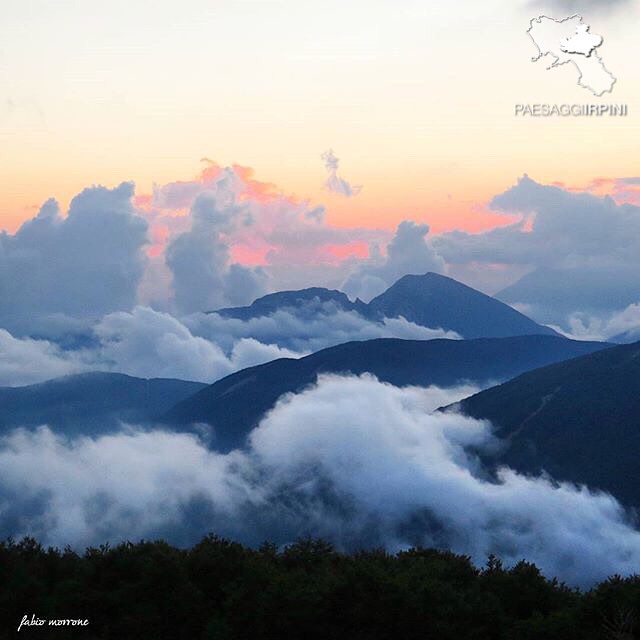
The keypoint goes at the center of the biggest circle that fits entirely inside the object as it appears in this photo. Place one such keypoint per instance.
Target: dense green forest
(220, 589)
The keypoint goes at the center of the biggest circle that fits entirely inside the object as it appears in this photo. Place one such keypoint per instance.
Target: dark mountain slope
(579, 420)
(436, 301)
(235, 404)
(90, 403)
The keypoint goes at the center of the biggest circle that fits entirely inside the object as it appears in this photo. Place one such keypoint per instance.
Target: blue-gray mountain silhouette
(90, 403)
(433, 300)
(235, 404)
(430, 300)
(579, 420)
(299, 299)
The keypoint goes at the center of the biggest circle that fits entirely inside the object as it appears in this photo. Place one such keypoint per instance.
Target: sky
(415, 98)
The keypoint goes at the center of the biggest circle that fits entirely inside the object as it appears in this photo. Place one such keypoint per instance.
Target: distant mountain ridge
(430, 300)
(235, 404)
(90, 403)
(579, 420)
(557, 293)
(273, 302)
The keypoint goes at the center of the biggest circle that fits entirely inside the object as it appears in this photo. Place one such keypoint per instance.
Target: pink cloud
(268, 225)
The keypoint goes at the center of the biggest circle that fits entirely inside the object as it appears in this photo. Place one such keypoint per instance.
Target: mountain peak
(429, 275)
(431, 279)
(437, 301)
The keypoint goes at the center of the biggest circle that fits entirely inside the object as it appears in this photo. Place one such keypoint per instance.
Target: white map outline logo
(570, 40)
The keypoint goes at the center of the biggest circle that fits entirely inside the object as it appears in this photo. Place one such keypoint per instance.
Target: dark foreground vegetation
(220, 589)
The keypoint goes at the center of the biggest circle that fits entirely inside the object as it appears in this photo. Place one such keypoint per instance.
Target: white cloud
(203, 276)
(559, 228)
(115, 487)
(206, 347)
(202, 347)
(351, 459)
(621, 325)
(26, 361)
(309, 328)
(84, 265)
(147, 343)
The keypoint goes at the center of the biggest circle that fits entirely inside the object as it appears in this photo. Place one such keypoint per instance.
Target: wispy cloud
(334, 182)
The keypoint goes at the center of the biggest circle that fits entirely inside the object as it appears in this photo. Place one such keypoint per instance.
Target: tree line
(219, 589)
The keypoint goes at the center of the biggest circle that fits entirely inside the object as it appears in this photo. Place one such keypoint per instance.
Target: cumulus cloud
(222, 239)
(199, 259)
(147, 343)
(582, 250)
(84, 265)
(288, 238)
(409, 252)
(359, 462)
(334, 182)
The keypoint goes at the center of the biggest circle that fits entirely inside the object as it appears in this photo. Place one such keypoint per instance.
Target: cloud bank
(351, 459)
(26, 361)
(201, 347)
(87, 264)
(309, 328)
